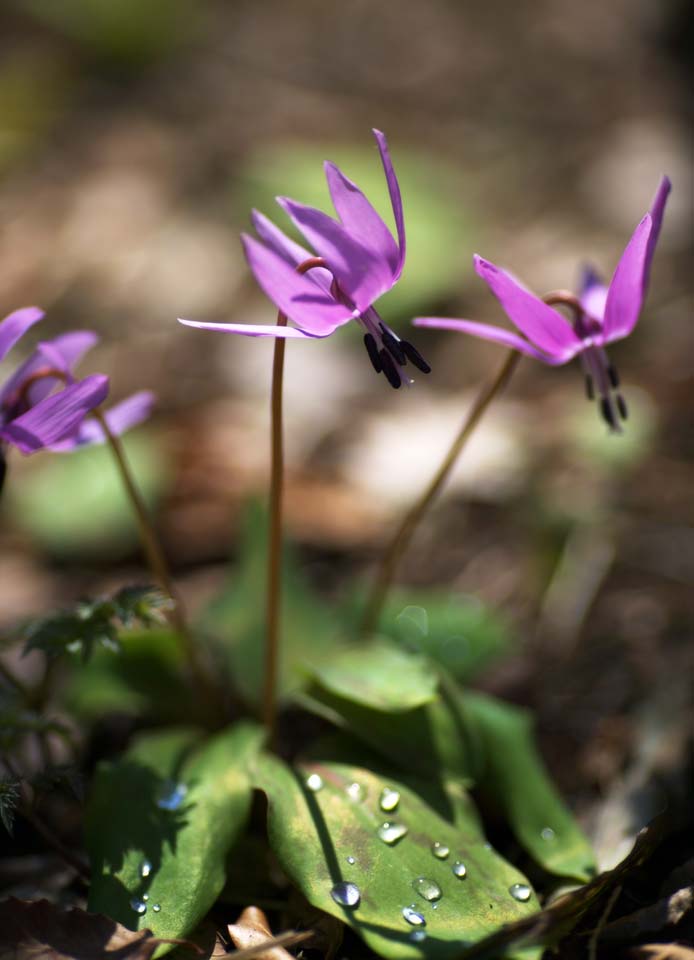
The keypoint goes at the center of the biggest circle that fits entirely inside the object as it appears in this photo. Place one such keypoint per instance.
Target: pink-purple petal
(395, 198)
(657, 212)
(288, 249)
(310, 307)
(593, 294)
(487, 332)
(120, 418)
(541, 324)
(359, 217)
(362, 274)
(626, 291)
(255, 330)
(62, 352)
(15, 325)
(56, 417)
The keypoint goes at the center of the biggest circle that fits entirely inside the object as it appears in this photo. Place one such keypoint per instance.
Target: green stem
(154, 554)
(400, 542)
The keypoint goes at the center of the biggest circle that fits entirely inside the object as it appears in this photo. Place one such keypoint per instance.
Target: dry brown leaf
(662, 951)
(39, 930)
(252, 930)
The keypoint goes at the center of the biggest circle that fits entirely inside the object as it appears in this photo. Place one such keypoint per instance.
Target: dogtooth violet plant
(601, 314)
(44, 407)
(356, 260)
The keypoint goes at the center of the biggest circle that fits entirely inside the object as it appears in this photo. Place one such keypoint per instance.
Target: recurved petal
(626, 292)
(363, 274)
(120, 418)
(63, 352)
(657, 212)
(56, 417)
(288, 249)
(488, 332)
(255, 330)
(305, 302)
(359, 217)
(15, 325)
(395, 197)
(545, 327)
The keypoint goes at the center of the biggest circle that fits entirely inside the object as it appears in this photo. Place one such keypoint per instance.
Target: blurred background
(134, 140)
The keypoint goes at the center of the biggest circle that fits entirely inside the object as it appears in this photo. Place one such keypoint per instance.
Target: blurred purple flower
(362, 261)
(602, 313)
(33, 416)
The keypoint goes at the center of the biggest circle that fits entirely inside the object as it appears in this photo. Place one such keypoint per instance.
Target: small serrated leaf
(10, 794)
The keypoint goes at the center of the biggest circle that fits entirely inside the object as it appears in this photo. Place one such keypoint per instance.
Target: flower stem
(274, 565)
(274, 568)
(400, 542)
(155, 555)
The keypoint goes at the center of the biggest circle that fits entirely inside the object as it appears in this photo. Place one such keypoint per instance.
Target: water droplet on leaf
(415, 617)
(314, 782)
(390, 833)
(145, 897)
(427, 888)
(172, 795)
(139, 906)
(520, 891)
(389, 800)
(440, 850)
(459, 869)
(547, 833)
(346, 894)
(417, 936)
(351, 860)
(156, 907)
(356, 792)
(416, 919)
(145, 868)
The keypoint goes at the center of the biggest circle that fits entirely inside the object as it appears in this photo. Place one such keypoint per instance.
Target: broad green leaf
(436, 226)
(146, 676)
(379, 675)
(328, 837)
(75, 503)
(161, 822)
(429, 741)
(237, 618)
(459, 632)
(465, 736)
(516, 780)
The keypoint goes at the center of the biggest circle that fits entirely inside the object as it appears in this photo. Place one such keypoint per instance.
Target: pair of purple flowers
(44, 406)
(356, 259)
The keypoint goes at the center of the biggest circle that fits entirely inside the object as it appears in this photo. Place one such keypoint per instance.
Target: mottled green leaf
(145, 676)
(379, 675)
(465, 736)
(161, 822)
(457, 631)
(237, 618)
(317, 833)
(516, 780)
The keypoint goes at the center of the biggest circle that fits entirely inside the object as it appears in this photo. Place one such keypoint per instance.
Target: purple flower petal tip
(15, 325)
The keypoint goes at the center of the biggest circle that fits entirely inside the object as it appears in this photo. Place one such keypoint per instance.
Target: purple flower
(602, 313)
(361, 260)
(42, 405)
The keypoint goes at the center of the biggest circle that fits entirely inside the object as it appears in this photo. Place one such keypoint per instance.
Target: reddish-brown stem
(403, 535)
(274, 568)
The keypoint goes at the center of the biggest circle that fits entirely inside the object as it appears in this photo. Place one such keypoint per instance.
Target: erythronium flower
(361, 261)
(602, 313)
(42, 405)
